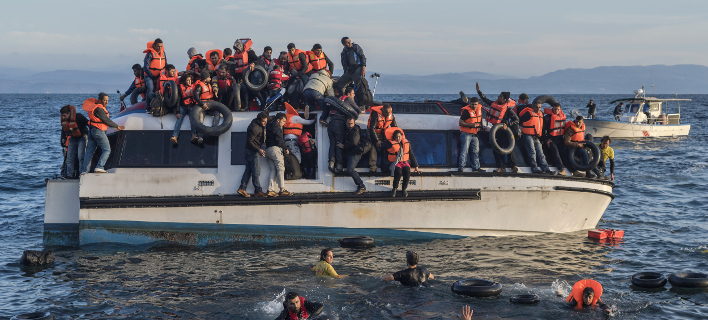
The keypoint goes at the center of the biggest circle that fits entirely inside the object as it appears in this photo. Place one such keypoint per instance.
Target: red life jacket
(303, 312)
(475, 117)
(275, 79)
(496, 112)
(578, 287)
(317, 63)
(187, 94)
(242, 58)
(157, 64)
(305, 142)
(207, 94)
(382, 122)
(534, 126)
(557, 125)
(224, 83)
(579, 132)
(209, 65)
(289, 127)
(191, 62)
(69, 125)
(89, 106)
(295, 63)
(393, 150)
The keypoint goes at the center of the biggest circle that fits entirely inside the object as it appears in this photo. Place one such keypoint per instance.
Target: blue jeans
(315, 99)
(535, 152)
(469, 142)
(335, 131)
(150, 91)
(183, 111)
(96, 138)
(253, 171)
(76, 152)
(352, 161)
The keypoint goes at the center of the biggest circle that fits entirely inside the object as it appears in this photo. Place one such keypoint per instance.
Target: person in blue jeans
(255, 138)
(74, 128)
(470, 122)
(186, 93)
(98, 125)
(531, 120)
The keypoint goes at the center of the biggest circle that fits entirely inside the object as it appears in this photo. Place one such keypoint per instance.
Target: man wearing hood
(196, 61)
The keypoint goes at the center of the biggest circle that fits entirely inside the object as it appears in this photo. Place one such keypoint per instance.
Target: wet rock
(37, 258)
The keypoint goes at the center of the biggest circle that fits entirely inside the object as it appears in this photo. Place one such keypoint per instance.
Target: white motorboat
(155, 191)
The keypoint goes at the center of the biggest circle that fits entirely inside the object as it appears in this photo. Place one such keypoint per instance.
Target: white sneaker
(99, 171)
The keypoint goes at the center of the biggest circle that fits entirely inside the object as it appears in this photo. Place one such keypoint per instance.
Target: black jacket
(255, 135)
(351, 139)
(353, 58)
(313, 310)
(274, 135)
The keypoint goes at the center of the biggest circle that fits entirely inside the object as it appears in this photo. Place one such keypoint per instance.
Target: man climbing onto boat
(255, 138)
(74, 127)
(137, 84)
(353, 63)
(380, 118)
(501, 111)
(607, 154)
(275, 149)
(574, 138)
(553, 133)
(531, 119)
(354, 147)
(470, 122)
(98, 125)
(413, 275)
(296, 307)
(319, 86)
(618, 111)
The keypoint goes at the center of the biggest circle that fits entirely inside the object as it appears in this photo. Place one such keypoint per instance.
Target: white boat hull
(616, 129)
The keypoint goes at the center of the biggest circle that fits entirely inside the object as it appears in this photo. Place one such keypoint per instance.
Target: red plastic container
(600, 234)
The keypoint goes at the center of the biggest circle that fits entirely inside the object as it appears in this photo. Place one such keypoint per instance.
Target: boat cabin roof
(648, 99)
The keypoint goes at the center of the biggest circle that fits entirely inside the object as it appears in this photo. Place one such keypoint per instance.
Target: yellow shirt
(324, 269)
(607, 153)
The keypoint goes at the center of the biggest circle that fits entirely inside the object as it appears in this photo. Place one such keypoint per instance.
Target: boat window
(634, 107)
(238, 147)
(486, 153)
(654, 106)
(427, 148)
(153, 149)
(416, 108)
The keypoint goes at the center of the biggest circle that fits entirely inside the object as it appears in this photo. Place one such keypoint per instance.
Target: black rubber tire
(688, 280)
(476, 288)
(197, 113)
(525, 299)
(649, 280)
(172, 99)
(134, 95)
(357, 242)
(493, 141)
(545, 99)
(346, 110)
(255, 86)
(34, 316)
(592, 164)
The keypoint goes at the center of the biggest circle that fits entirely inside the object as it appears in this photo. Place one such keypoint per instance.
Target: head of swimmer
(292, 302)
(412, 258)
(327, 255)
(588, 296)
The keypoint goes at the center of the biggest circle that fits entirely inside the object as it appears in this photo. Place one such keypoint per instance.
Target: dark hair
(262, 115)
(344, 39)
(323, 253)
(158, 40)
(137, 67)
(185, 75)
(588, 137)
(214, 53)
(267, 48)
(169, 67)
(349, 117)
(65, 109)
(556, 104)
(289, 296)
(396, 132)
(523, 96)
(279, 116)
(223, 67)
(605, 138)
(411, 256)
(204, 74)
(578, 118)
(387, 106)
(291, 45)
(347, 90)
(474, 99)
(316, 46)
(101, 95)
(588, 290)
(621, 103)
(227, 52)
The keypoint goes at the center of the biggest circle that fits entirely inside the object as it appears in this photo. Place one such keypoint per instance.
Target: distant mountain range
(610, 80)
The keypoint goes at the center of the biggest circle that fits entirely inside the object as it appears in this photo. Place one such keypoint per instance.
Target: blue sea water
(660, 204)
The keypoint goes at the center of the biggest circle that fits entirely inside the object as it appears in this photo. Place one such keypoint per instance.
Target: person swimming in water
(324, 267)
(413, 275)
(587, 293)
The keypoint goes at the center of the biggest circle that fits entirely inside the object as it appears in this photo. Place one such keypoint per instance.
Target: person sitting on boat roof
(522, 103)
(380, 118)
(255, 138)
(324, 267)
(74, 127)
(275, 149)
(223, 86)
(531, 119)
(500, 111)
(137, 84)
(353, 63)
(553, 133)
(595, 172)
(607, 153)
(413, 275)
(470, 122)
(591, 109)
(203, 93)
(168, 74)
(574, 138)
(319, 86)
(354, 147)
(586, 293)
(297, 307)
(98, 125)
(298, 62)
(244, 57)
(153, 63)
(196, 61)
(186, 102)
(293, 128)
(267, 59)
(401, 157)
(319, 60)
(618, 111)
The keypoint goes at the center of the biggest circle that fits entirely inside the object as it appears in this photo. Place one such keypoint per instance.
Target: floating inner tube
(172, 95)
(575, 163)
(345, 109)
(545, 99)
(357, 242)
(493, 140)
(134, 95)
(257, 79)
(477, 288)
(525, 299)
(34, 316)
(688, 280)
(198, 113)
(649, 280)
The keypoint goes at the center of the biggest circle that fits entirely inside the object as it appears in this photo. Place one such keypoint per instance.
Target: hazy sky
(514, 38)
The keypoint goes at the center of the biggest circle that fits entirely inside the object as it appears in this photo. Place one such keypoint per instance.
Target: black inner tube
(592, 163)
(257, 79)
(688, 280)
(545, 99)
(493, 140)
(213, 131)
(357, 242)
(134, 95)
(649, 280)
(476, 288)
(171, 94)
(34, 316)
(525, 299)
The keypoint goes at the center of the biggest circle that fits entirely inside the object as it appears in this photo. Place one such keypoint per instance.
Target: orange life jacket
(209, 65)
(158, 59)
(475, 117)
(139, 83)
(393, 150)
(579, 132)
(207, 94)
(496, 113)
(382, 122)
(295, 63)
(577, 293)
(289, 127)
(164, 78)
(187, 94)
(69, 125)
(534, 126)
(557, 125)
(191, 62)
(242, 58)
(317, 63)
(89, 106)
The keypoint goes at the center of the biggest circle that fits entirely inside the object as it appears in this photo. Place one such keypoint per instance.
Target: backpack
(362, 93)
(364, 145)
(306, 143)
(292, 167)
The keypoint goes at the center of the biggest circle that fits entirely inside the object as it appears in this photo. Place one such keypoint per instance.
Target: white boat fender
(357, 242)
(493, 139)
(263, 77)
(591, 164)
(37, 258)
(688, 280)
(134, 95)
(198, 113)
(525, 299)
(34, 316)
(476, 288)
(649, 280)
(172, 97)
